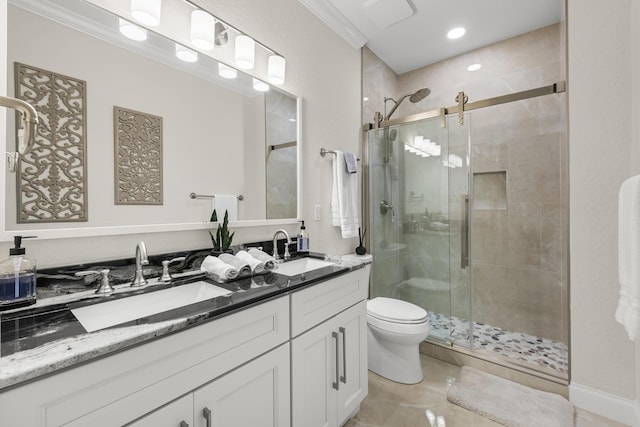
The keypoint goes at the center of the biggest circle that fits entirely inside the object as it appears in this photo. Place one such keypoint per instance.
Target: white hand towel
(228, 203)
(240, 265)
(218, 268)
(628, 311)
(344, 198)
(256, 265)
(351, 162)
(269, 261)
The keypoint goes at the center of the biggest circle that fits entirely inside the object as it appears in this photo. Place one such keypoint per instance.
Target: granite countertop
(46, 337)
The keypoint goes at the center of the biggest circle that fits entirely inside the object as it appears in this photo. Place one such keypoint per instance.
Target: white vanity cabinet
(293, 361)
(255, 394)
(329, 351)
(123, 387)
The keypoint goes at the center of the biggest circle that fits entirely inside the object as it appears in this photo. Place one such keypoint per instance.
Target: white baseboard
(604, 404)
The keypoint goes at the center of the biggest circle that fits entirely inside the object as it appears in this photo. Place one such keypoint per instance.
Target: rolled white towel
(269, 261)
(243, 268)
(256, 265)
(219, 268)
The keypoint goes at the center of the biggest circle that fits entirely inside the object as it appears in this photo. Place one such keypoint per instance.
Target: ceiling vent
(385, 13)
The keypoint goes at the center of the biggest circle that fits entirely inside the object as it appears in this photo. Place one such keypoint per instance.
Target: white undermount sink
(110, 313)
(299, 266)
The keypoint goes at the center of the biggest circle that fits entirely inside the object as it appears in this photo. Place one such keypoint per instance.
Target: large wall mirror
(219, 136)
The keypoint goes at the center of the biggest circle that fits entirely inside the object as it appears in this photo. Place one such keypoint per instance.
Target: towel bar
(324, 152)
(204, 196)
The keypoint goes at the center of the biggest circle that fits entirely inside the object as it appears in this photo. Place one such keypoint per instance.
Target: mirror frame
(76, 232)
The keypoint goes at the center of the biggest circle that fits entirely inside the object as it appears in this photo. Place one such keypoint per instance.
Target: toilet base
(399, 362)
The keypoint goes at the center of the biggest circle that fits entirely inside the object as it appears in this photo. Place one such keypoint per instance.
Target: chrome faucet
(141, 259)
(286, 245)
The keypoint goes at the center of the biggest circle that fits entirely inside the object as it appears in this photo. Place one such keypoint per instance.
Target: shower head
(417, 96)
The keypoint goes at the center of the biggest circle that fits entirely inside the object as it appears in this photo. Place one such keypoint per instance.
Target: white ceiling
(410, 34)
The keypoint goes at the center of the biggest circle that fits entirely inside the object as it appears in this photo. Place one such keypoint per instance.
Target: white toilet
(395, 330)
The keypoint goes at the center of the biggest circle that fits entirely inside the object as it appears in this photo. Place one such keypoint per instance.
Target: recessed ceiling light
(456, 33)
(474, 67)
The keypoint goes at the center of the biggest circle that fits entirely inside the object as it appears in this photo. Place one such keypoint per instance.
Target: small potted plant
(222, 239)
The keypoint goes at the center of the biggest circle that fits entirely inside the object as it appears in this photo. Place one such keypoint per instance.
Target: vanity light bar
(244, 46)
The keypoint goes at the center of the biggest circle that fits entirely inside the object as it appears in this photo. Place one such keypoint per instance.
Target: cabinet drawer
(315, 304)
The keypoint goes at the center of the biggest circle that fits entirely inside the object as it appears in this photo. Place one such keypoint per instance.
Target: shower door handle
(464, 231)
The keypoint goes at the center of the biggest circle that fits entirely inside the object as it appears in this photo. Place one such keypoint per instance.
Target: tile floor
(390, 404)
(548, 355)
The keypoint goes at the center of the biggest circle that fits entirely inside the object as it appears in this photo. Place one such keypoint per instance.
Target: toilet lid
(396, 311)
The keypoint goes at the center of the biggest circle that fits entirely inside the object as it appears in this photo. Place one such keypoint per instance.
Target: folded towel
(219, 269)
(351, 161)
(243, 268)
(344, 198)
(269, 261)
(256, 265)
(628, 311)
(226, 203)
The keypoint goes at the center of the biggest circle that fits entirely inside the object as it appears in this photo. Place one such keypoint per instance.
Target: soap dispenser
(17, 277)
(303, 239)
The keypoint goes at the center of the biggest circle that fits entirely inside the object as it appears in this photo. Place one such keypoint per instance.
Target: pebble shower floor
(545, 353)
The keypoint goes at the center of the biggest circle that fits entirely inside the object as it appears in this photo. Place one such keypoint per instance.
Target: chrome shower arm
(395, 106)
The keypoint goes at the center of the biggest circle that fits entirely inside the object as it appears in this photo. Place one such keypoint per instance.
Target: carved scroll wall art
(138, 157)
(51, 183)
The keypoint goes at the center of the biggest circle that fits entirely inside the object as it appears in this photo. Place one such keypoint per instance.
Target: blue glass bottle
(17, 278)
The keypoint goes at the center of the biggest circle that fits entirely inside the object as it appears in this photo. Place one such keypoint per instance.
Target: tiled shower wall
(518, 245)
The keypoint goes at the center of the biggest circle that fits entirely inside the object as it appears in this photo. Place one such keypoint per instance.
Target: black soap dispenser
(303, 239)
(17, 277)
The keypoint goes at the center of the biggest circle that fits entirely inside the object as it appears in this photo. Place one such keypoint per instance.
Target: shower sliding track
(463, 105)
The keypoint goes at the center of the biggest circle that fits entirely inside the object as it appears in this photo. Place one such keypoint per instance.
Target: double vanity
(283, 349)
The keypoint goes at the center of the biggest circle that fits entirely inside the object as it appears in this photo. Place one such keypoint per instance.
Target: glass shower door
(418, 175)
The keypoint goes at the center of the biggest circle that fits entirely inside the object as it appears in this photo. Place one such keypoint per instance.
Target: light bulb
(132, 31)
(260, 86)
(227, 72)
(275, 69)
(146, 11)
(186, 54)
(202, 30)
(245, 52)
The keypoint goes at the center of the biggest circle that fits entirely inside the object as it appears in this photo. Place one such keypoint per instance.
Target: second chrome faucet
(286, 255)
(141, 259)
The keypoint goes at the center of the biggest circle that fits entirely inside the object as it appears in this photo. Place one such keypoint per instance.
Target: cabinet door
(352, 329)
(175, 414)
(314, 372)
(255, 394)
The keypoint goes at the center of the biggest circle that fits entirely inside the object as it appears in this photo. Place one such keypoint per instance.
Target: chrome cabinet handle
(336, 384)
(206, 413)
(464, 231)
(343, 378)
(183, 424)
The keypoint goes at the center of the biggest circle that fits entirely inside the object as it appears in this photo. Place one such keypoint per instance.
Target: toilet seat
(395, 311)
